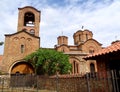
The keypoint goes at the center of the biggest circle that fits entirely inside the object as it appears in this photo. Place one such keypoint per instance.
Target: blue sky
(102, 17)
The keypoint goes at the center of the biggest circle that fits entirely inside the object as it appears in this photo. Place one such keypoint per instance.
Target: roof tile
(115, 46)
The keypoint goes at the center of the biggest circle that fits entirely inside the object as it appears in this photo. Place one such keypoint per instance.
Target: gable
(113, 48)
(63, 48)
(24, 33)
(91, 45)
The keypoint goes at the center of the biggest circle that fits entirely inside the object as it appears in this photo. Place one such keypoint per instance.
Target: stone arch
(22, 67)
(15, 39)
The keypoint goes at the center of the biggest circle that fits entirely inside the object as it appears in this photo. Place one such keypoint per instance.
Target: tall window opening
(75, 67)
(86, 36)
(92, 68)
(79, 37)
(63, 40)
(22, 48)
(29, 19)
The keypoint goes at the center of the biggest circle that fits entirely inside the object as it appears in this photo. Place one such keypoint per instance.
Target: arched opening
(86, 37)
(75, 68)
(22, 48)
(92, 68)
(29, 19)
(79, 37)
(22, 68)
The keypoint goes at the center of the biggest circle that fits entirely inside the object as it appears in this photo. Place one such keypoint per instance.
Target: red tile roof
(114, 47)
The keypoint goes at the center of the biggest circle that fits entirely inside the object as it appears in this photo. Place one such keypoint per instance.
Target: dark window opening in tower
(86, 36)
(79, 37)
(63, 40)
(29, 19)
(22, 48)
(92, 68)
(32, 31)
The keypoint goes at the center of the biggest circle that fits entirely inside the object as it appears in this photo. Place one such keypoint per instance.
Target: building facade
(27, 40)
(83, 45)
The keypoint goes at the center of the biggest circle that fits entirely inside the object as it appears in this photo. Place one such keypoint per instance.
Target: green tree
(48, 61)
(1, 43)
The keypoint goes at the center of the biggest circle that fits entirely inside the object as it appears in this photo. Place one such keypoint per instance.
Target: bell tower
(29, 20)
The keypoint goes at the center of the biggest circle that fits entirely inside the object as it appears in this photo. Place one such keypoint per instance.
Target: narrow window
(22, 48)
(86, 36)
(76, 68)
(63, 40)
(79, 37)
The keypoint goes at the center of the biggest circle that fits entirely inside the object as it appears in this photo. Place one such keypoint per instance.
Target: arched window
(92, 68)
(86, 36)
(29, 19)
(22, 48)
(75, 67)
(79, 37)
(63, 41)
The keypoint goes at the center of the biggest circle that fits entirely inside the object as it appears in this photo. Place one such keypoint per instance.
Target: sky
(65, 17)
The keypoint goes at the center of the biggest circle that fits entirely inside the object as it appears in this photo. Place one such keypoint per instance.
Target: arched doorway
(22, 75)
(22, 68)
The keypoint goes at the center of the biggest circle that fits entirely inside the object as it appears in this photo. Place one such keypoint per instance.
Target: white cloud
(102, 18)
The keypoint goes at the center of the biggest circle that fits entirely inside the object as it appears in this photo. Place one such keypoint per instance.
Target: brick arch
(21, 67)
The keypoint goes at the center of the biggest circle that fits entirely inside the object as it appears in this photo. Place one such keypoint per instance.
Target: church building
(27, 40)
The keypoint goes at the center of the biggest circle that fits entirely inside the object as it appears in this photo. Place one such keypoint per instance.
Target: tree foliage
(1, 43)
(48, 61)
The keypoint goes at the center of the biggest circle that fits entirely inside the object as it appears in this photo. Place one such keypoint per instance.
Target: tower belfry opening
(29, 19)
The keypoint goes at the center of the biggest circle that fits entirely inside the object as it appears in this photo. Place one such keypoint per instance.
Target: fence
(89, 82)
